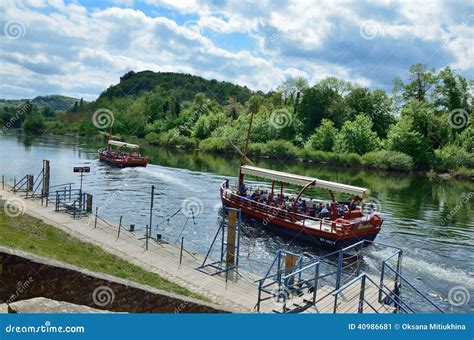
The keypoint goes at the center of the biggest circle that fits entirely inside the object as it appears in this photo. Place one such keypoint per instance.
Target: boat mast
(246, 149)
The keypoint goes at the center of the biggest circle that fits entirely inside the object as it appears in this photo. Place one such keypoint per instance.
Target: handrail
(300, 270)
(416, 289)
(360, 277)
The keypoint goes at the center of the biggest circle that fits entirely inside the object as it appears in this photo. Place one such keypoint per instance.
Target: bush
(387, 160)
(452, 157)
(257, 149)
(153, 138)
(279, 148)
(173, 138)
(215, 144)
(344, 158)
(312, 155)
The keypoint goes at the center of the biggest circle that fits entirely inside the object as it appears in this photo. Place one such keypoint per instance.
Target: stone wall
(25, 276)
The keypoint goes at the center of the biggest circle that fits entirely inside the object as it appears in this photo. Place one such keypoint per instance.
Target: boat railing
(276, 212)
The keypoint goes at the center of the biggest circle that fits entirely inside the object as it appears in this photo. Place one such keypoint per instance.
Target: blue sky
(79, 48)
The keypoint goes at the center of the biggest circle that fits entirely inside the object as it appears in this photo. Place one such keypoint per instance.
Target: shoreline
(445, 175)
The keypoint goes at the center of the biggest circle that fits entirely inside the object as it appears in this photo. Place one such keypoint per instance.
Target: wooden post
(46, 177)
(89, 203)
(231, 236)
(29, 186)
(290, 263)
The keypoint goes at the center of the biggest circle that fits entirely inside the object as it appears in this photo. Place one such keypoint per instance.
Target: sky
(79, 48)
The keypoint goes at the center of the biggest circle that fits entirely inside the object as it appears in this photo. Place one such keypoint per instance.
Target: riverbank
(381, 161)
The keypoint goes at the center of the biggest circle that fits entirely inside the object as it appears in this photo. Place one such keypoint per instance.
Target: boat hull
(291, 228)
(124, 162)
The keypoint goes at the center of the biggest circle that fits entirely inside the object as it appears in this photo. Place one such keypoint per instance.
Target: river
(429, 218)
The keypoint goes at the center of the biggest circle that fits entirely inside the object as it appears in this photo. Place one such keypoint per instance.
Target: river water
(429, 218)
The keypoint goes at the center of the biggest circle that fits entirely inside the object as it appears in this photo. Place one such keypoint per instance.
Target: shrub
(172, 137)
(279, 148)
(152, 138)
(344, 158)
(387, 160)
(452, 157)
(313, 155)
(215, 144)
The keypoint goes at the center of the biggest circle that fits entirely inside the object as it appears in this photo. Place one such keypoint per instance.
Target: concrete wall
(25, 276)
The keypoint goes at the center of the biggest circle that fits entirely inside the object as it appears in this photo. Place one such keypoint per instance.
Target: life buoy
(340, 223)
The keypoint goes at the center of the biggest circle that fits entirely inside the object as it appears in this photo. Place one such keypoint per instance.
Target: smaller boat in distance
(121, 158)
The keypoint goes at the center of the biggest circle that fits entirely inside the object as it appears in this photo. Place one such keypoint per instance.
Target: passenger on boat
(243, 190)
(324, 211)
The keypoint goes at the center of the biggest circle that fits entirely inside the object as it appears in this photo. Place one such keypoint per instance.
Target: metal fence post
(119, 227)
(181, 252)
(339, 269)
(96, 213)
(361, 296)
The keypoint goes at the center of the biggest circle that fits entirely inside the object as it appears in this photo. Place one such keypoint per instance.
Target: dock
(293, 284)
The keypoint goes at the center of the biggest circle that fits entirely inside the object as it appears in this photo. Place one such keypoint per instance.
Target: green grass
(32, 235)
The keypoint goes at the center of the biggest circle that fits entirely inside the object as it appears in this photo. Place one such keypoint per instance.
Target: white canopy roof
(122, 144)
(302, 180)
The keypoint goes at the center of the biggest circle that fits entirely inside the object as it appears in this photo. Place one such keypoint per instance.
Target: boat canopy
(285, 177)
(124, 145)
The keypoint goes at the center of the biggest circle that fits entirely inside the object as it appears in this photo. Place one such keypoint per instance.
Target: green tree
(421, 82)
(375, 104)
(357, 136)
(34, 123)
(324, 137)
(404, 138)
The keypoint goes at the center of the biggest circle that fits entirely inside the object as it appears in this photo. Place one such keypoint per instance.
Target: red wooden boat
(119, 157)
(339, 225)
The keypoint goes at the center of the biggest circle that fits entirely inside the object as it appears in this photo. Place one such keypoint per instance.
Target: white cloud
(77, 50)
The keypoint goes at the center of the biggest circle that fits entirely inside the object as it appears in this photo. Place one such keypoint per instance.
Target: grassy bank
(32, 235)
(454, 164)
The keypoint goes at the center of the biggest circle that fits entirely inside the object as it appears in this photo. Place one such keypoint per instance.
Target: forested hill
(52, 102)
(175, 85)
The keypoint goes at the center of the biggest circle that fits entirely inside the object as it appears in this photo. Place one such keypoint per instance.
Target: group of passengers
(309, 207)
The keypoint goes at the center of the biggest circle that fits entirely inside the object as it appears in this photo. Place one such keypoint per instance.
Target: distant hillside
(54, 102)
(177, 85)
